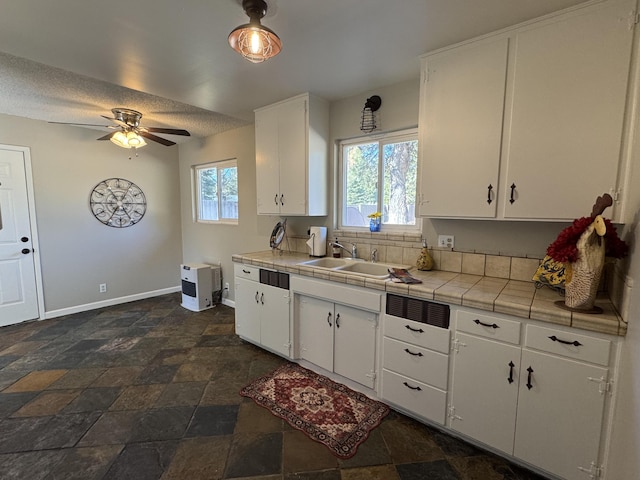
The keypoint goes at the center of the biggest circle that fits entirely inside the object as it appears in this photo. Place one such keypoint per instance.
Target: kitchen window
(216, 192)
(378, 174)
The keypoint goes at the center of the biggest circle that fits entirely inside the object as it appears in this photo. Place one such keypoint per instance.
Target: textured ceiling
(74, 60)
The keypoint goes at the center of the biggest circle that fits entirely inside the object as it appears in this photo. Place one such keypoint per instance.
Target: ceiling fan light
(128, 139)
(134, 140)
(120, 139)
(254, 41)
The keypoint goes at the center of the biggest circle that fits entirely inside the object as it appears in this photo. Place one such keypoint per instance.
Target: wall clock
(117, 202)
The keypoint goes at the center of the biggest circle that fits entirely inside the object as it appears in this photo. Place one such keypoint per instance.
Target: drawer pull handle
(575, 343)
(510, 379)
(329, 320)
(412, 388)
(246, 271)
(530, 370)
(419, 330)
(489, 188)
(492, 325)
(419, 354)
(338, 321)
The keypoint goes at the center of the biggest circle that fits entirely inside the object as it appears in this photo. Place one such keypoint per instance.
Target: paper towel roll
(317, 242)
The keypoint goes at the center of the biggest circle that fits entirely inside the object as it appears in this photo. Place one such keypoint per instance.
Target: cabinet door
(483, 397)
(355, 344)
(248, 309)
(560, 417)
(267, 162)
(274, 319)
(569, 94)
(315, 331)
(461, 111)
(292, 149)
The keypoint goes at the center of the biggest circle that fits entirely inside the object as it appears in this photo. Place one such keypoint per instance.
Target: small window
(379, 175)
(216, 192)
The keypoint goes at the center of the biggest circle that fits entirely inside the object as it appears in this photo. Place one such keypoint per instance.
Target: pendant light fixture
(252, 40)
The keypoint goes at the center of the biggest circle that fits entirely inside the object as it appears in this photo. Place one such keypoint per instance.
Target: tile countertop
(511, 297)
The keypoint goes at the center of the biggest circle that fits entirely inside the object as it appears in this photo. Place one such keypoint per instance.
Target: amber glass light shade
(255, 42)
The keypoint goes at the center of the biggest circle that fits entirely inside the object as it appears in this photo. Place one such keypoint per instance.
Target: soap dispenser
(335, 250)
(425, 262)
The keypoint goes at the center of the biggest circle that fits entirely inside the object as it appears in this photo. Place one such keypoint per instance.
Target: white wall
(211, 243)
(77, 251)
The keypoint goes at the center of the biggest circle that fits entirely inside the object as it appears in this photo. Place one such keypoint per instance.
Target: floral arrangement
(375, 215)
(564, 249)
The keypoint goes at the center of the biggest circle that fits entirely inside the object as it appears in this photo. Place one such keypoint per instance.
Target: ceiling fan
(129, 133)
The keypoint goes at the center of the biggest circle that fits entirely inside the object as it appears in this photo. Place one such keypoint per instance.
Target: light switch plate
(445, 241)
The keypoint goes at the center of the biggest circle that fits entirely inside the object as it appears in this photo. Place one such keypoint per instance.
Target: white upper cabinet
(462, 107)
(528, 123)
(292, 157)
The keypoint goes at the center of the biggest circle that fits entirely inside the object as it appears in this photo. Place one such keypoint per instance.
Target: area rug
(326, 411)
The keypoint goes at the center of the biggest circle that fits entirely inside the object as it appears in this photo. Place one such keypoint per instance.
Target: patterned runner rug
(326, 411)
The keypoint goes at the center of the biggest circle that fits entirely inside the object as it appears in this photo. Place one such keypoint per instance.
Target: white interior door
(18, 287)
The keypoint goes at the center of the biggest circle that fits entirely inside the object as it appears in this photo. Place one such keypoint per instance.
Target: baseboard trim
(229, 303)
(109, 303)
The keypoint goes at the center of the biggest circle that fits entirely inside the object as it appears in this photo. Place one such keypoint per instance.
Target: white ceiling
(73, 60)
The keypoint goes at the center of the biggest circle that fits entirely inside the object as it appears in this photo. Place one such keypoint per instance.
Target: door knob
(26, 250)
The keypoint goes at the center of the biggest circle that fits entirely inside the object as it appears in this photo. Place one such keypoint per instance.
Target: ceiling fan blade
(107, 136)
(82, 124)
(115, 120)
(155, 138)
(171, 131)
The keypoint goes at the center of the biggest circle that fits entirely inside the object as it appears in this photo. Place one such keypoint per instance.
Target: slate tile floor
(148, 390)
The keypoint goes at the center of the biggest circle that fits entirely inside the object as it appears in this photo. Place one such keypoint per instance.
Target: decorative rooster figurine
(575, 260)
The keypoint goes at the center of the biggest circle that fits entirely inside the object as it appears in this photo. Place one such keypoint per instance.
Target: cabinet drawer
(424, 365)
(247, 271)
(568, 344)
(488, 326)
(416, 397)
(417, 333)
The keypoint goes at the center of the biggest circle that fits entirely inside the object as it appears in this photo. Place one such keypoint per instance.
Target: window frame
(197, 189)
(382, 139)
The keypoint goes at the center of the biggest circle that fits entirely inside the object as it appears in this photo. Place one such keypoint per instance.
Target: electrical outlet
(445, 241)
(102, 288)
(226, 286)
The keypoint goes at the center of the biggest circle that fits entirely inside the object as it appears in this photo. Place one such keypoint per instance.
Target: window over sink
(378, 174)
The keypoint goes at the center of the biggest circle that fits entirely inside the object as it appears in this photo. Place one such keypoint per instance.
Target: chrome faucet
(353, 251)
(374, 255)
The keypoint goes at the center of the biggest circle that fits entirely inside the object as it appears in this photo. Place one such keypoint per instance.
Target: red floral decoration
(564, 249)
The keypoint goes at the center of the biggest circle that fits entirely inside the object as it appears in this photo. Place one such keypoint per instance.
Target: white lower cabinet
(336, 328)
(262, 311)
(338, 338)
(415, 357)
(541, 399)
